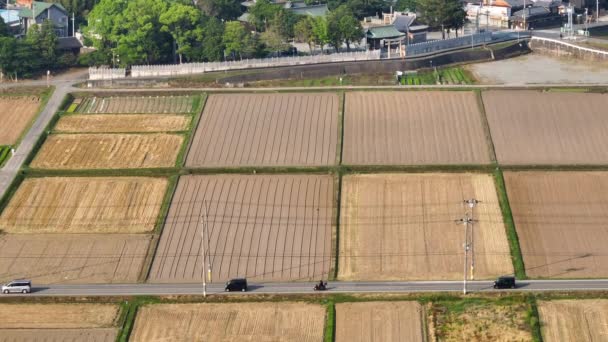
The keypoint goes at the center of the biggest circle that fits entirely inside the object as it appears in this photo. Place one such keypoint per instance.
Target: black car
(507, 282)
(239, 284)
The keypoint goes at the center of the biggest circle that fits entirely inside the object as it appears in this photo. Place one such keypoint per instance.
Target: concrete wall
(563, 49)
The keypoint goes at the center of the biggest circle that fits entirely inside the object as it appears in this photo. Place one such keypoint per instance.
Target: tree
(406, 5)
(343, 27)
(213, 45)
(361, 8)
(284, 22)
(351, 29)
(273, 40)
(42, 39)
(104, 27)
(443, 14)
(183, 23)
(237, 40)
(221, 9)
(320, 31)
(303, 32)
(262, 13)
(3, 29)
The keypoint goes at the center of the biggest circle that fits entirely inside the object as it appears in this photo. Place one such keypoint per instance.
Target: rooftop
(313, 11)
(381, 32)
(38, 7)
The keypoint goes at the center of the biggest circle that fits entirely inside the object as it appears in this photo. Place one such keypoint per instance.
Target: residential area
(269, 170)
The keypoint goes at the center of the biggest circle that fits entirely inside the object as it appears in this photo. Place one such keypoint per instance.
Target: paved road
(10, 169)
(306, 288)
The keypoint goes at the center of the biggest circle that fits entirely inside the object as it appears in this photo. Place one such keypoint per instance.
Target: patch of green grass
(533, 319)
(330, 323)
(4, 154)
(516, 257)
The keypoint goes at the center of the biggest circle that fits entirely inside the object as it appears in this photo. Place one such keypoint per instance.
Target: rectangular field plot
(561, 222)
(122, 123)
(414, 128)
(380, 322)
(16, 112)
(574, 320)
(135, 104)
(401, 227)
(73, 258)
(532, 127)
(267, 130)
(108, 151)
(58, 322)
(297, 322)
(84, 205)
(263, 227)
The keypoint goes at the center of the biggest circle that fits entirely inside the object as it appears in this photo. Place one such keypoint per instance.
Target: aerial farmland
(574, 320)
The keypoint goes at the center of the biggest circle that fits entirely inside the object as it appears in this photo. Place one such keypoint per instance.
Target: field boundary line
(486, 126)
(335, 232)
(341, 122)
(329, 333)
(182, 155)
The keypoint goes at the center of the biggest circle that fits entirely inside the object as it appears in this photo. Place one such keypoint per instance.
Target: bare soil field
(414, 128)
(296, 322)
(73, 258)
(561, 222)
(482, 322)
(108, 151)
(122, 123)
(59, 335)
(84, 205)
(67, 316)
(574, 320)
(16, 112)
(380, 321)
(135, 105)
(533, 127)
(58, 322)
(267, 130)
(401, 227)
(263, 227)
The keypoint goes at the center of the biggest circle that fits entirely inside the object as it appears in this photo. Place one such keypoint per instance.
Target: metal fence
(446, 44)
(105, 73)
(198, 68)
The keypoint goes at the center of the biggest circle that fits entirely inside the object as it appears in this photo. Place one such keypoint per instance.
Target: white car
(17, 286)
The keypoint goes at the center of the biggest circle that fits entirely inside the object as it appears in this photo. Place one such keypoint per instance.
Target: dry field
(263, 227)
(135, 105)
(531, 127)
(574, 320)
(16, 112)
(73, 258)
(122, 123)
(58, 322)
(296, 322)
(401, 227)
(84, 205)
(496, 322)
(267, 130)
(108, 151)
(380, 321)
(414, 128)
(561, 222)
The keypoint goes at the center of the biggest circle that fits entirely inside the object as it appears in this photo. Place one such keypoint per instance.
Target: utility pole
(525, 27)
(206, 235)
(465, 221)
(73, 25)
(471, 203)
(204, 238)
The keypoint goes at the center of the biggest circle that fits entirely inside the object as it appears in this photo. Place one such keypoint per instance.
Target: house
(296, 6)
(536, 17)
(11, 19)
(403, 22)
(36, 12)
(498, 13)
(406, 23)
(379, 37)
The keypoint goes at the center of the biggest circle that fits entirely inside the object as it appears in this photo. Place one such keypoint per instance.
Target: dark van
(505, 283)
(239, 284)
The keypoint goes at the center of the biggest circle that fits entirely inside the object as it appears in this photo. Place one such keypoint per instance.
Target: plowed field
(84, 205)
(295, 322)
(58, 322)
(380, 321)
(574, 320)
(122, 123)
(263, 227)
(531, 127)
(15, 115)
(108, 151)
(136, 104)
(73, 258)
(414, 128)
(561, 222)
(401, 226)
(267, 130)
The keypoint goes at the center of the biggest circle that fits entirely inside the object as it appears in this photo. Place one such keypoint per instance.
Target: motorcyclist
(321, 285)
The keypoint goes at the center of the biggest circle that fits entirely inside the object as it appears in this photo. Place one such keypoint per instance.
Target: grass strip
(533, 319)
(516, 257)
(330, 323)
(129, 320)
(4, 151)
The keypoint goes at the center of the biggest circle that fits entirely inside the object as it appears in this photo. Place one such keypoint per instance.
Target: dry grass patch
(574, 320)
(380, 321)
(108, 151)
(135, 104)
(13, 316)
(122, 123)
(15, 115)
(401, 226)
(59, 335)
(561, 222)
(230, 322)
(84, 205)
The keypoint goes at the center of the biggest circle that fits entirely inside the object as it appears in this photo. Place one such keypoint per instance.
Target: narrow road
(306, 288)
(10, 169)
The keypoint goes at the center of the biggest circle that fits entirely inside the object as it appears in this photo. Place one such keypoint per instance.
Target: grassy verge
(330, 323)
(516, 257)
(198, 107)
(533, 319)
(4, 154)
(451, 75)
(486, 125)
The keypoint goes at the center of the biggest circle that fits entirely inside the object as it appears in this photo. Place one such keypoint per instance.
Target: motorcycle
(320, 287)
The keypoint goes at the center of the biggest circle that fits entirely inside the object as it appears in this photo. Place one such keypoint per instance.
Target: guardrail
(596, 53)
